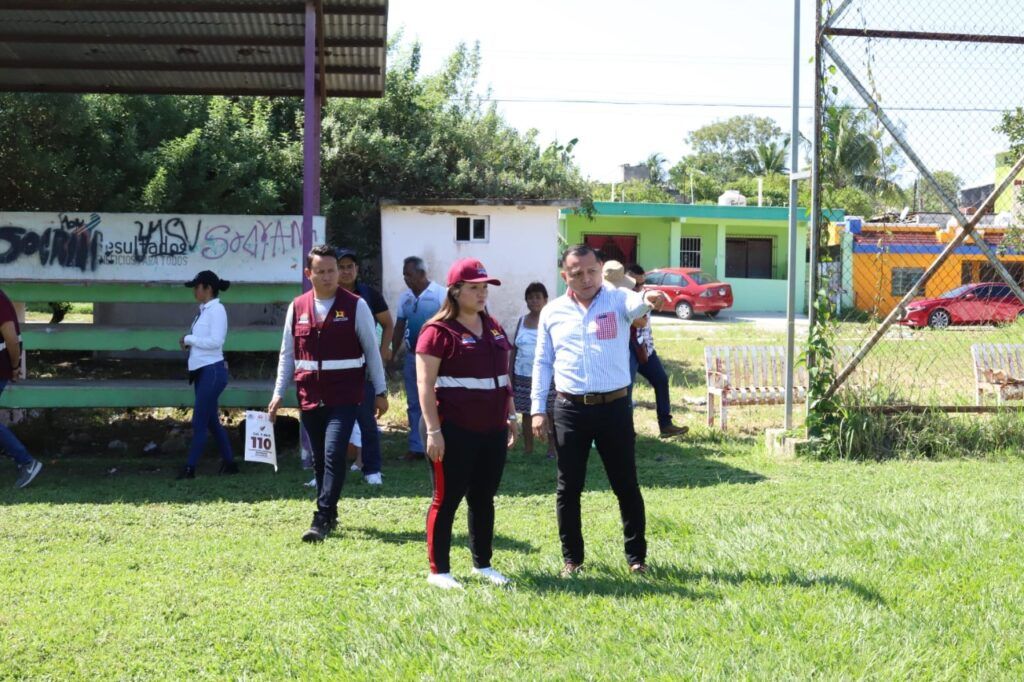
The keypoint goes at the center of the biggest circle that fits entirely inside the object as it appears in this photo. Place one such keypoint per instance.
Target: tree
(432, 137)
(768, 158)
(656, 168)
(1012, 125)
(235, 162)
(693, 184)
(84, 152)
(929, 201)
(429, 136)
(852, 155)
(638, 191)
(774, 192)
(724, 149)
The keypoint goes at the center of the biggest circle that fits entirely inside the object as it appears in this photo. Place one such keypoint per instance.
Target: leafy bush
(862, 433)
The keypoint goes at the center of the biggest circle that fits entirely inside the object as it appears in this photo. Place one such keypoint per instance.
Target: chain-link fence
(920, 144)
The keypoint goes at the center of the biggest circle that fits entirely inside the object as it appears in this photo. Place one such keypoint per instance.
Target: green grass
(761, 568)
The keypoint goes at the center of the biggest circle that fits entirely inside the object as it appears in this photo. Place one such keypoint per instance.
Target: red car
(982, 303)
(690, 291)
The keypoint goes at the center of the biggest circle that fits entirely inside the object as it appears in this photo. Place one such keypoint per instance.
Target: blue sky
(675, 66)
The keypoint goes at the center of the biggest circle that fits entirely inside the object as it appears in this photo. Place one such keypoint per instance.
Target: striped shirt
(585, 349)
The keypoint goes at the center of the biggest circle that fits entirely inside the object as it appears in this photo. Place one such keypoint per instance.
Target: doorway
(620, 247)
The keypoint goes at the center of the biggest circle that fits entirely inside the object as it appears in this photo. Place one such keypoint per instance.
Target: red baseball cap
(469, 270)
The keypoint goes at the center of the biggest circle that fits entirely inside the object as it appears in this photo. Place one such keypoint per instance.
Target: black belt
(594, 398)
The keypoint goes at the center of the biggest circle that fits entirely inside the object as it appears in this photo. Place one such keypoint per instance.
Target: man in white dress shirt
(583, 341)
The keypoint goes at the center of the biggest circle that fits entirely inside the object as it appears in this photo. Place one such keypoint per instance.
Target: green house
(745, 246)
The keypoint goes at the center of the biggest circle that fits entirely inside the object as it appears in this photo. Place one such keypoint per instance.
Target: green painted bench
(45, 393)
(64, 336)
(158, 292)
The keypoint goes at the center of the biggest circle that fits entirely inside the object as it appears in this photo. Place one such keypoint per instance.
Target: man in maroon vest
(329, 346)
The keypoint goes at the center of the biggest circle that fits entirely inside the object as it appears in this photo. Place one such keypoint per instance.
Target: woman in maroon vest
(462, 364)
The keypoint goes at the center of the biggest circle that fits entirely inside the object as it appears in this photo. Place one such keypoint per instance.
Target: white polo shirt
(585, 349)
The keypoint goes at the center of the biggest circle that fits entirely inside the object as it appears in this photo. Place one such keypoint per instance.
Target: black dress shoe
(670, 430)
(228, 468)
(318, 530)
(186, 472)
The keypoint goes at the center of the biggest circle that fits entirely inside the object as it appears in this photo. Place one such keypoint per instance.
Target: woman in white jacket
(207, 370)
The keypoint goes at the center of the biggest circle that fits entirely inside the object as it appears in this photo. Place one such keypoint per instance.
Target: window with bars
(903, 279)
(471, 229)
(689, 252)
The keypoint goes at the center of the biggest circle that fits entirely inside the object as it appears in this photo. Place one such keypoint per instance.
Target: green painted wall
(708, 234)
(713, 225)
(1006, 200)
(652, 234)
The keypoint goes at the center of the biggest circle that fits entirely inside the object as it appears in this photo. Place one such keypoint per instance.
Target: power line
(711, 105)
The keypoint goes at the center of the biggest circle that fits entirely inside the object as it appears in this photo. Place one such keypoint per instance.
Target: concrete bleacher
(140, 307)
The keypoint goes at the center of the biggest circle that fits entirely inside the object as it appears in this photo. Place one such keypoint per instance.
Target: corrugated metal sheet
(165, 46)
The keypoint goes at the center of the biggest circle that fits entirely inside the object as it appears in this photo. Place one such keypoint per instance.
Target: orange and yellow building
(880, 262)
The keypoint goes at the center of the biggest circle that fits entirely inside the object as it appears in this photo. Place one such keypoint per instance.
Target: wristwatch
(512, 419)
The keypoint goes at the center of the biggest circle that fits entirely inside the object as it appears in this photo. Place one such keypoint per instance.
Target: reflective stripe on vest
(313, 365)
(471, 383)
(3, 344)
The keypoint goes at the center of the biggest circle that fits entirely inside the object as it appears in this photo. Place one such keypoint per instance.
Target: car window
(953, 293)
(654, 278)
(1000, 292)
(673, 280)
(702, 278)
(981, 292)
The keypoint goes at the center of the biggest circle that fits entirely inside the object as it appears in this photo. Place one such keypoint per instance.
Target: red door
(620, 247)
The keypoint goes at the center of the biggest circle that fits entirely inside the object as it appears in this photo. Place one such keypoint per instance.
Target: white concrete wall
(522, 248)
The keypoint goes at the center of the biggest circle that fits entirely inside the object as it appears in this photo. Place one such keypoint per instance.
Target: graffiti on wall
(152, 248)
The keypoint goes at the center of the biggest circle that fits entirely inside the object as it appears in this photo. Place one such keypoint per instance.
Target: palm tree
(767, 158)
(853, 156)
(656, 167)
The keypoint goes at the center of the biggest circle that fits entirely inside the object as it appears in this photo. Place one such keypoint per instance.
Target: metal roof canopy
(209, 47)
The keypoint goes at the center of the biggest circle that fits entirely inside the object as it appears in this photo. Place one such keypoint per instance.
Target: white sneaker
(311, 484)
(355, 467)
(444, 580)
(374, 479)
(492, 575)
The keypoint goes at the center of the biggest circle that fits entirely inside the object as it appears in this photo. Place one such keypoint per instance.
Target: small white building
(517, 241)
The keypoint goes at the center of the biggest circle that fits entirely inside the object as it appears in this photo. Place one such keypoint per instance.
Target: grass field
(761, 569)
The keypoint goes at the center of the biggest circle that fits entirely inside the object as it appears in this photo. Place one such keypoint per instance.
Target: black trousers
(329, 429)
(610, 427)
(471, 468)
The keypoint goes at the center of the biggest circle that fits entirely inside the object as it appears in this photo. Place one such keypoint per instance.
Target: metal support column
(794, 209)
(310, 134)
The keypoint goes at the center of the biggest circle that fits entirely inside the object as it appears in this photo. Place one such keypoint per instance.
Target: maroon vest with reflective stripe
(481, 409)
(467, 362)
(334, 339)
